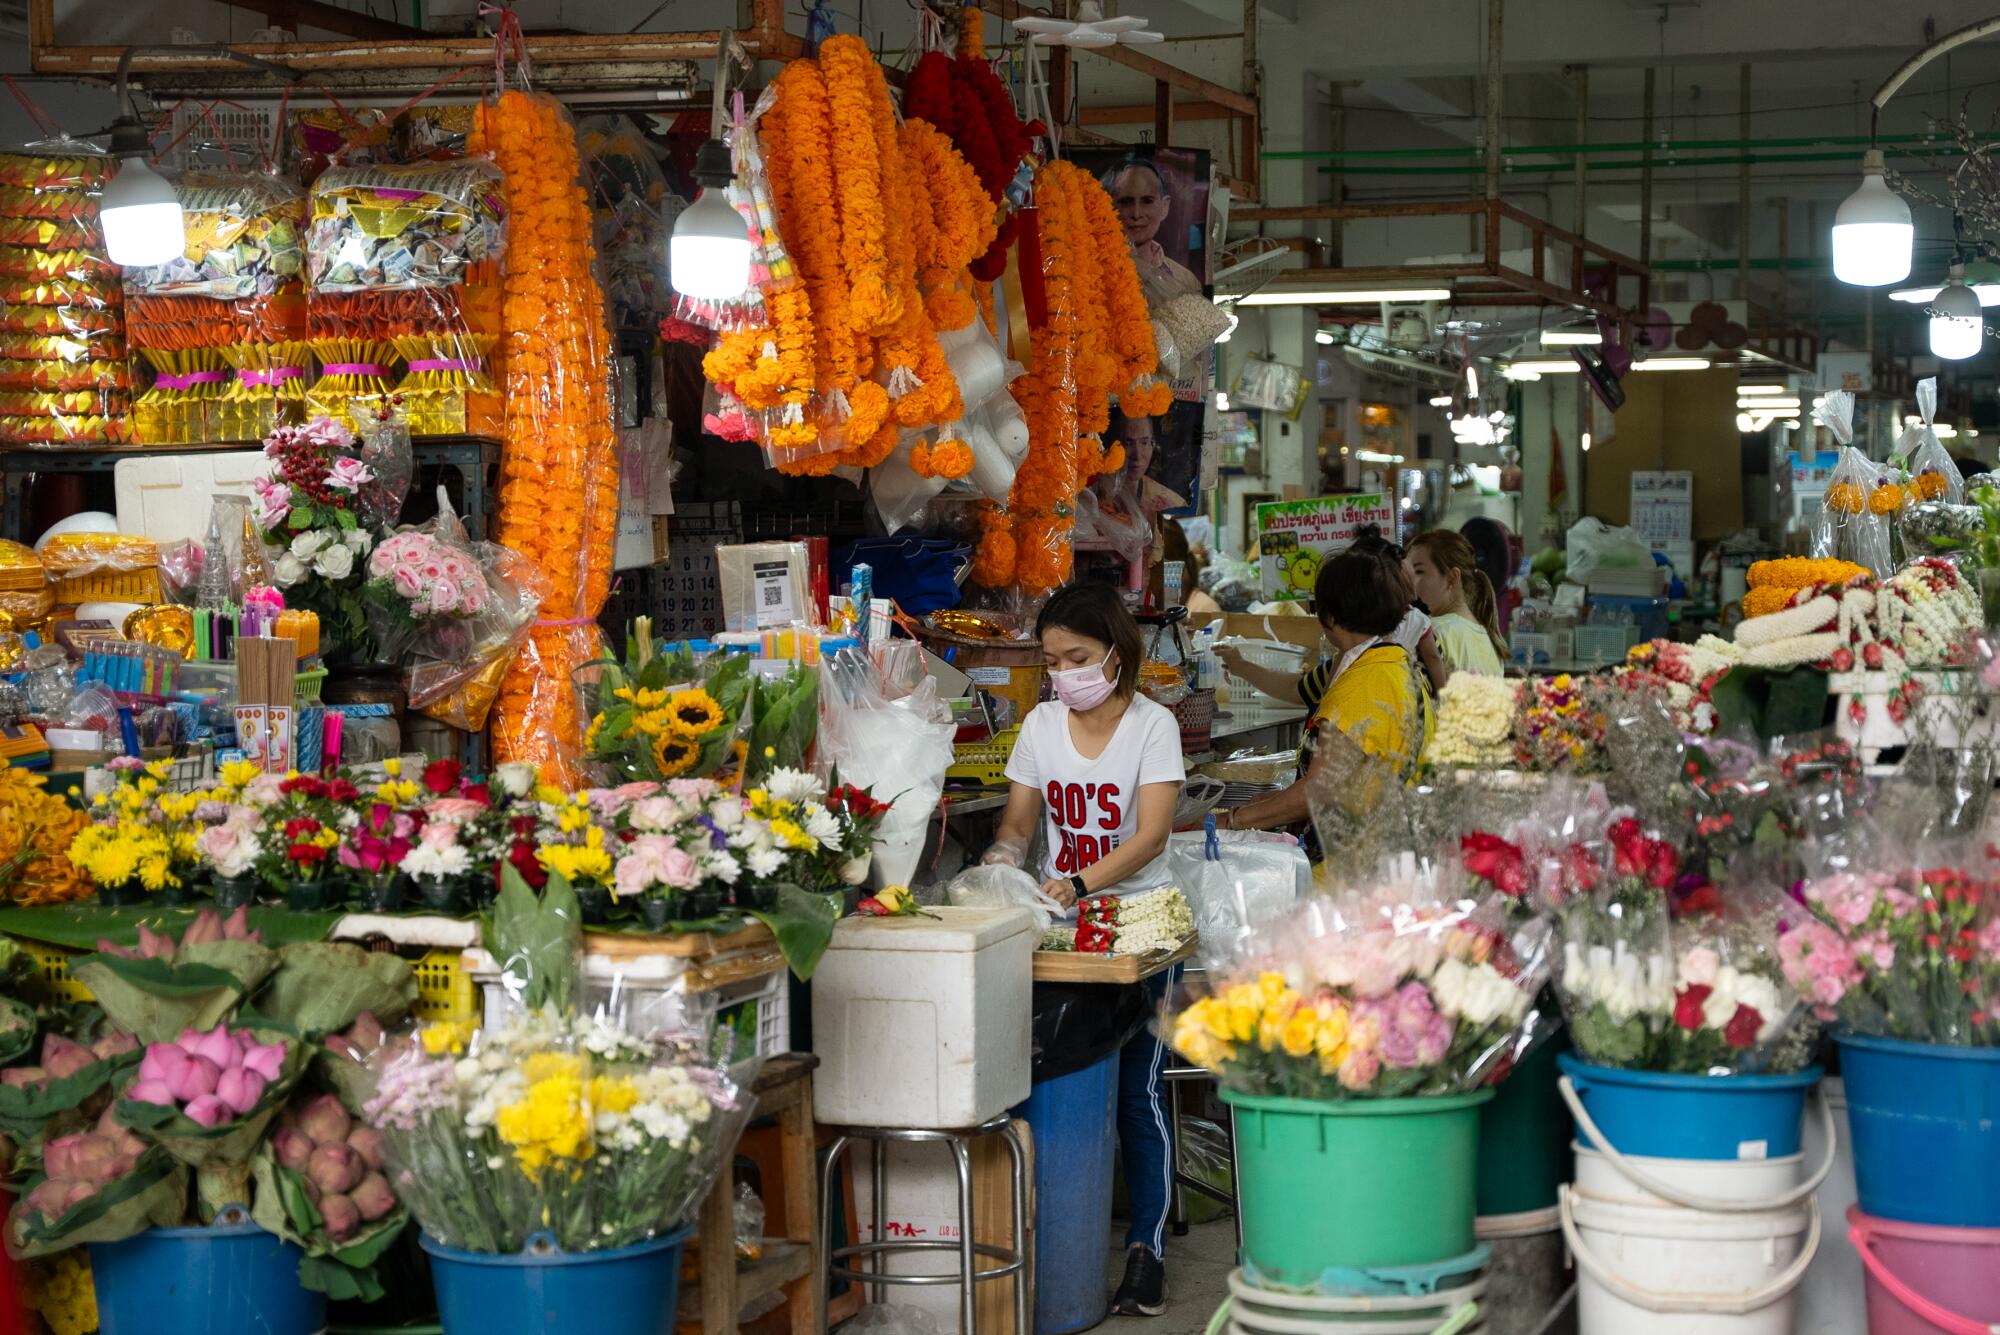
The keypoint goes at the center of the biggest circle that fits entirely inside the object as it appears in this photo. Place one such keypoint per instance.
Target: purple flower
(716, 838)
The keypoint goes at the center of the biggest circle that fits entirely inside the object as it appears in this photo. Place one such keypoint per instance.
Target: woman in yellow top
(1464, 612)
(1376, 699)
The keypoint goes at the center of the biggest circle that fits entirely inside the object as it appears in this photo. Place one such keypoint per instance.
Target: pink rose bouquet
(427, 593)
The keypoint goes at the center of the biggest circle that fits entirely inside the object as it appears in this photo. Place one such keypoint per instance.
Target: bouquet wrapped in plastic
(1933, 477)
(461, 691)
(1900, 943)
(668, 714)
(1397, 989)
(425, 589)
(562, 1120)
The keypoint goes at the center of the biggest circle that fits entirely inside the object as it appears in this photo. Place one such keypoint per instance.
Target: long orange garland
(559, 463)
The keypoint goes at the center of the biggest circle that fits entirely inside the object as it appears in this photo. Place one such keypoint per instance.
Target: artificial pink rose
(404, 581)
(679, 870)
(349, 474)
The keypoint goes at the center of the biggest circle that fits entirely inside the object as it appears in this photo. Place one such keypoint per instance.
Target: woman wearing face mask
(1100, 766)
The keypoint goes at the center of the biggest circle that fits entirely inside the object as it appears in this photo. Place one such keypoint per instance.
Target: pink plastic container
(1926, 1279)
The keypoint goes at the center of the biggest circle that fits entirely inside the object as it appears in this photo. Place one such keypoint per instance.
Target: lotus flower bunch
(361, 1039)
(213, 1078)
(64, 1057)
(208, 926)
(340, 1162)
(82, 1164)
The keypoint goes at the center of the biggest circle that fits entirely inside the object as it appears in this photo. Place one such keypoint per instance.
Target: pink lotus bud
(205, 928)
(340, 1046)
(90, 1158)
(366, 1032)
(373, 1197)
(208, 1110)
(64, 1057)
(20, 1077)
(189, 1042)
(105, 946)
(152, 1091)
(325, 1121)
(117, 1166)
(78, 1192)
(266, 1059)
(114, 1044)
(126, 1139)
(236, 927)
(293, 1148)
(342, 1216)
(220, 1048)
(154, 945)
(47, 1199)
(334, 1167)
(240, 1088)
(59, 1156)
(198, 1078)
(366, 1141)
(163, 1062)
(312, 1192)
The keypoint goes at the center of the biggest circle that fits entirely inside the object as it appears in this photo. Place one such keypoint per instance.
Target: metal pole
(1743, 185)
(1646, 178)
(1580, 86)
(1495, 93)
(1784, 252)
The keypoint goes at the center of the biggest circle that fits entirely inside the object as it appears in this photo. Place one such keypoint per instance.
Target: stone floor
(1198, 1267)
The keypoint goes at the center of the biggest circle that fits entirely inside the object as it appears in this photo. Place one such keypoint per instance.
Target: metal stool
(1014, 1260)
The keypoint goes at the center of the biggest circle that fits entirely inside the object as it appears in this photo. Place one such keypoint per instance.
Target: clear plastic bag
(1235, 883)
(244, 238)
(999, 886)
(426, 591)
(1933, 477)
(420, 225)
(635, 214)
(1854, 513)
(899, 746)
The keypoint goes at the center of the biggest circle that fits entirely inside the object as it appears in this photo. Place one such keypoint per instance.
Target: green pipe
(1668, 146)
(1657, 164)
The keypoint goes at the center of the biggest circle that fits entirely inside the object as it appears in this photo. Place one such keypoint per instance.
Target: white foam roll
(979, 371)
(992, 473)
(1010, 428)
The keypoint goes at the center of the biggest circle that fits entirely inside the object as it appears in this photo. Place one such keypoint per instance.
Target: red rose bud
(871, 907)
(441, 776)
(1687, 1005)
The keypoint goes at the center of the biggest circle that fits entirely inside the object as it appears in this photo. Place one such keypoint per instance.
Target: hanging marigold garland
(558, 501)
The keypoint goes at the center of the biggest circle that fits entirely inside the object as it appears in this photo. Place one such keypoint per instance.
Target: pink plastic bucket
(1927, 1279)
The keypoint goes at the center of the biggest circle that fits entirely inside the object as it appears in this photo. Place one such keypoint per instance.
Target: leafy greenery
(1774, 703)
(150, 1196)
(156, 999)
(537, 938)
(784, 717)
(81, 926)
(802, 920)
(344, 1271)
(320, 986)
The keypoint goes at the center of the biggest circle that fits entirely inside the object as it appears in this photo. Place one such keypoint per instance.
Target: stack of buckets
(1926, 1126)
(1358, 1215)
(1524, 1156)
(1693, 1211)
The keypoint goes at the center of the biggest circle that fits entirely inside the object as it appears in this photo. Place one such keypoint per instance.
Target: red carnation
(300, 825)
(1688, 1004)
(306, 853)
(1743, 1027)
(340, 790)
(441, 776)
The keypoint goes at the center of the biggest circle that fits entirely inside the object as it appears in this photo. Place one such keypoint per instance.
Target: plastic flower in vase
(307, 514)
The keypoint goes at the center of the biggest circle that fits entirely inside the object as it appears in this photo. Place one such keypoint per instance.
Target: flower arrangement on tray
(1396, 990)
(1154, 920)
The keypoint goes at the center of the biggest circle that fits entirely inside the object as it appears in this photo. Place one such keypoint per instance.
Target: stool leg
(879, 1167)
(1024, 1322)
(967, 1272)
(829, 1183)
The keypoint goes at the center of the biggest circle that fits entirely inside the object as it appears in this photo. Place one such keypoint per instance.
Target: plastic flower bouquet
(425, 589)
(666, 716)
(1900, 946)
(1393, 991)
(307, 513)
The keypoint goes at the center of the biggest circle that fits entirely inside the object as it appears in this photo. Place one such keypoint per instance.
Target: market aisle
(1198, 1267)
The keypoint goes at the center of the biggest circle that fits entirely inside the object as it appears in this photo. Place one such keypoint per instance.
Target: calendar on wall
(1663, 514)
(684, 596)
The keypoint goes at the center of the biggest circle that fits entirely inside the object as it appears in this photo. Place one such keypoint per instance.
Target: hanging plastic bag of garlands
(63, 378)
(771, 267)
(634, 217)
(1933, 477)
(1854, 513)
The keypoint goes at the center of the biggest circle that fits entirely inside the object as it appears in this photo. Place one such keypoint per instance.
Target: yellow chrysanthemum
(695, 713)
(548, 1124)
(792, 835)
(446, 1036)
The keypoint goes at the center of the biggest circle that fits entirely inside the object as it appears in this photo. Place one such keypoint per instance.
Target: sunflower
(674, 755)
(694, 713)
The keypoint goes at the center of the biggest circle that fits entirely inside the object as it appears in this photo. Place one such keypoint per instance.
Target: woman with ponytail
(1463, 610)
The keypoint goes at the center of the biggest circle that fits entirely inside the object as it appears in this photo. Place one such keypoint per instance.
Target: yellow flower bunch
(585, 862)
(61, 1292)
(1266, 1016)
(551, 1121)
(36, 829)
(1796, 572)
(127, 850)
(399, 792)
(446, 1036)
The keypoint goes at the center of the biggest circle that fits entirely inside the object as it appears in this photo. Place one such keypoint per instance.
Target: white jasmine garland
(1793, 621)
(1793, 650)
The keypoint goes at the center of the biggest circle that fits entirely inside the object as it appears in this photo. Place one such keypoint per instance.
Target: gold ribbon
(1016, 302)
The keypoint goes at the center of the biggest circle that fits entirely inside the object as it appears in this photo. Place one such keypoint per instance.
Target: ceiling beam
(298, 14)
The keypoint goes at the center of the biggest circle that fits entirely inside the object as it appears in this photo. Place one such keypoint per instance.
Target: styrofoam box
(923, 1022)
(167, 497)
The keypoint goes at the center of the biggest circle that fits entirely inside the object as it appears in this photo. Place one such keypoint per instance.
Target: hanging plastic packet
(1933, 476)
(634, 216)
(1854, 513)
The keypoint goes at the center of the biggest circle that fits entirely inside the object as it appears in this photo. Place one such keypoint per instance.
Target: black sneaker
(1143, 1291)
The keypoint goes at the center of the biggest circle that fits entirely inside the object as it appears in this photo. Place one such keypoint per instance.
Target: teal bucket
(200, 1281)
(1524, 1137)
(627, 1291)
(1926, 1125)
(1655, 1116)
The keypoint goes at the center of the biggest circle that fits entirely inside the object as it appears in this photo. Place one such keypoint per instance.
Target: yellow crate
(983, 762)
(445, 991)
(52, 979)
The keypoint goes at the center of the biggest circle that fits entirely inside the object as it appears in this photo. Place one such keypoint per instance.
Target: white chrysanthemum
(822, 825)
(791, 785)
(765, 861)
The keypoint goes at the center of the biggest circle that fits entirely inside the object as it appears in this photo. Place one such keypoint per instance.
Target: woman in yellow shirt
(1376, 698)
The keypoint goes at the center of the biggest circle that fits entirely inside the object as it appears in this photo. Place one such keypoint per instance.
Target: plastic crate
(305, 685)
(52, 981)
(445, 991)
(983, 762)
(1277, 657)
(199, 131)
(760, 1011)
(1604, 644)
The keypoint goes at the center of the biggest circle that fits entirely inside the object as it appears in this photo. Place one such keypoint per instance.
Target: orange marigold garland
(873, 295)
(559, 467)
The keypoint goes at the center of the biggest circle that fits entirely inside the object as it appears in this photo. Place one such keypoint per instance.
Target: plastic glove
(1005, 852)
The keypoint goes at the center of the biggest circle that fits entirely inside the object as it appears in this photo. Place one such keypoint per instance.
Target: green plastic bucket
(1524, 1137)
(1357, 1185)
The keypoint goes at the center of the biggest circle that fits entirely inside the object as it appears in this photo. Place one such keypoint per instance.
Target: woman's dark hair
(1096, 612)
(1358, 591)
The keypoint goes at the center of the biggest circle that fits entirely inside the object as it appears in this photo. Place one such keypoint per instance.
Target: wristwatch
(1081, 888)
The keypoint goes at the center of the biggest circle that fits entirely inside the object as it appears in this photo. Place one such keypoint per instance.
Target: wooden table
(783, 1089)
(1069, 966)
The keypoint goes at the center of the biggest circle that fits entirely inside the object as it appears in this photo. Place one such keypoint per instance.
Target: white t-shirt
(1090, 807)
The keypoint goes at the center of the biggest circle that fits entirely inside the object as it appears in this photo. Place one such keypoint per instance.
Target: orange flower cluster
(948, 458)
(1097, 338)
(559, 462)
(880, 223)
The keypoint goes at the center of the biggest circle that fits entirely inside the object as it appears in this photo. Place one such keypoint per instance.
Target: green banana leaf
(537, 938)
(157, 999)
(803, 923)
(344, 1271)
(153, 1195)
(24, 1112)
(231, 1144)
(320, 986)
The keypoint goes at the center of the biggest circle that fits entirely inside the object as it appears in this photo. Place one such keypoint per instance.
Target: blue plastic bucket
(627, 1291)
(198, 1281)
(1073, 1118)
(1926, 1126)
(1659, 1116)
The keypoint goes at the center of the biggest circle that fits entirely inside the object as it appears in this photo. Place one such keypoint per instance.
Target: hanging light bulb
(1872, 232)
(709, 256)
(1957, 327)
(139, 210)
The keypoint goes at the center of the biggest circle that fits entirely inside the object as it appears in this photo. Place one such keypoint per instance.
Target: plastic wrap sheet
(559, 461)
(1933, 477)
(426, 590)
(634, 214)
(62, 347)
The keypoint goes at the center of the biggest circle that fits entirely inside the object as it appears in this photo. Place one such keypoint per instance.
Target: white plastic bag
(1593, 544)
(998, 886)
(897, 749)
(1235, 881)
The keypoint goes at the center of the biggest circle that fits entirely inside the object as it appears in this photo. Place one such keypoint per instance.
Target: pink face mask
(1084, 688)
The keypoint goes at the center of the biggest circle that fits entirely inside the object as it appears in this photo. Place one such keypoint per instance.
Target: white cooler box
(923, 1022)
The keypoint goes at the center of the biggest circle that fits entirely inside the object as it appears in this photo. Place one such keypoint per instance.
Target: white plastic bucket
(1663, 1270)
(1255, 1311)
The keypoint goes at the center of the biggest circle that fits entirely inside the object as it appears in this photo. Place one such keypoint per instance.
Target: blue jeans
(1145, 1147)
